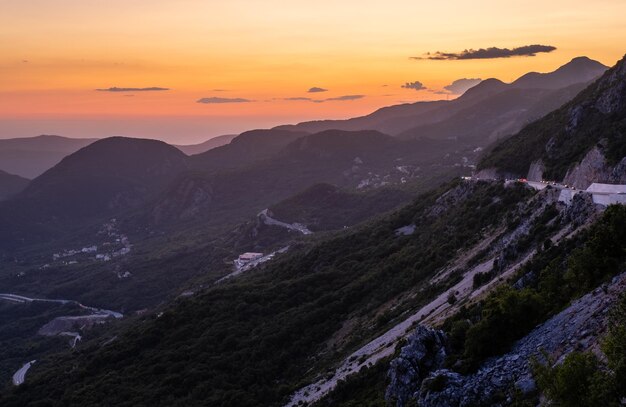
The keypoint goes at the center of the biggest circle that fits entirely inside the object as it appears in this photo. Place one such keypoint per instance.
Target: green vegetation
(582, 380)
(577, 382)
(560, 274)
(326, 207)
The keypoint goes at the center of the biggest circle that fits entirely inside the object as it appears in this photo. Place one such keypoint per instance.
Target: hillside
(364, 160)
(327, 207)
(245, 149)
(11, 184)
(580, 69)
(32, 156)
(497, 117)
(559, 141)
(210, 144)
(297, 305)
(104, 178)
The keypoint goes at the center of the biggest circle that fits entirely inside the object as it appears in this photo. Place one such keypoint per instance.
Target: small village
(115, 245)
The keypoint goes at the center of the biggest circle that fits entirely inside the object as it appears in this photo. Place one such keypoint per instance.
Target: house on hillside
(247, 258)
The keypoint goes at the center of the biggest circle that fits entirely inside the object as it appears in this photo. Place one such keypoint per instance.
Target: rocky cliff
(577, 328)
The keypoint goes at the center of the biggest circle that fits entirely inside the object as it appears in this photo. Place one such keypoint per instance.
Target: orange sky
(54, 53)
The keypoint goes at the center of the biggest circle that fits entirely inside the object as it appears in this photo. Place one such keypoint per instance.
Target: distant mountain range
(594, 118)
(261, 167)
(31, 157)
(212, 143)
(532, 93)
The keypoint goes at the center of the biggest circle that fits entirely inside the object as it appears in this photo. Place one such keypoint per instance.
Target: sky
(186, 70)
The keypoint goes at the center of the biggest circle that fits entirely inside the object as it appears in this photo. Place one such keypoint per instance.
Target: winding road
(22, 299)
(268, 220)
(20, 375)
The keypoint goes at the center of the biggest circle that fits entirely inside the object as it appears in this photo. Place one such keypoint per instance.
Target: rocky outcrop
(535, 173)
(577, 328)
(424, 353)
(580, 210)
(618, 175)
(593, 168)
(613, 96)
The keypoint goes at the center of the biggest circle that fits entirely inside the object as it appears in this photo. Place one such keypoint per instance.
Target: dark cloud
(214, 100)
(345, 97)
(315, 89)
(298, 98)
(417, 85)
(459, 86)
(489, 53)
(116, 89)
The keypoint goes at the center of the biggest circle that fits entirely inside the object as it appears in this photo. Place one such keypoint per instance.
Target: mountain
(11, 184)
(207, 145)
(373, 121)
(244, 149)
(30, 157)
(364, 159)
(585, 135)
(580, 69)
(108, 176)
(498, 116)
(407, 118)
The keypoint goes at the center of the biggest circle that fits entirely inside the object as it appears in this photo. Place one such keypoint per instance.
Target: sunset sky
(259, 59)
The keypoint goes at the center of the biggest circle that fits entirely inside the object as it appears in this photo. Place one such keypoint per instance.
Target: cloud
(216, 100)
(345, 97)
(417, 85)
(338, 98)
(116, 89)
(459, 86)
(315, 89)
(489, 53)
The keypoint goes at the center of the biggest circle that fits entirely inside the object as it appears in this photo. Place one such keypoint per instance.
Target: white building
(608, 194)
(249, 256)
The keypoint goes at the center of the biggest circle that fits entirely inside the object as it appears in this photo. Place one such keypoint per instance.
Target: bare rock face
(618, 175)
(450, 199)
(581, 209)
(487, 173)
(535, 172)
(593, 168)
(424, 353)
(613, 97)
